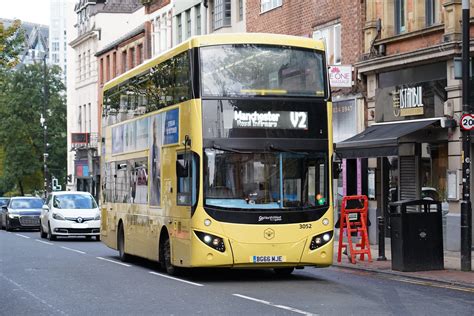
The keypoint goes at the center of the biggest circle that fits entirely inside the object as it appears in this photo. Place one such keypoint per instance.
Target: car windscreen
(74, 201)
(26, 203)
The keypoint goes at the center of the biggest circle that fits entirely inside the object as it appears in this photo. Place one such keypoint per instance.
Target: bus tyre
(97, 238)
(283, 271)
(50, 235)
(166, 262)
(121, 245)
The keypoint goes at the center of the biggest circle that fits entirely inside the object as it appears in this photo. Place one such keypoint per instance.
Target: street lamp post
(44, 125)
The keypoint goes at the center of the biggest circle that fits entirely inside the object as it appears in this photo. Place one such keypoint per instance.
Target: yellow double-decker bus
(228, 164)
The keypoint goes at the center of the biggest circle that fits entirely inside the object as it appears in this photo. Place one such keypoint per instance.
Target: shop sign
(408, 101)
(340, 76)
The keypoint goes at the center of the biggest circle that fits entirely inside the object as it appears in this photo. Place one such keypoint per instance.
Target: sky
(36, 11)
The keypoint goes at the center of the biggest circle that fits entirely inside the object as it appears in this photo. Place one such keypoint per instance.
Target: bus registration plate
(267, 259)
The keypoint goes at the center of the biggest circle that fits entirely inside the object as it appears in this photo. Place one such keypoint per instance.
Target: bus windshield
(264, 180)
(258, 70)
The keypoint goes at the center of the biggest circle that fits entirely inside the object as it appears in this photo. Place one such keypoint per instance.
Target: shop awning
(379, 140)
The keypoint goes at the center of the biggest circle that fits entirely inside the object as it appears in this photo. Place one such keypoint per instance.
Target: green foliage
(23, 96)
(11, 39)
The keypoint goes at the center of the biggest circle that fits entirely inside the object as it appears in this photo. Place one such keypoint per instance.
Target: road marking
(113, 261)
(70, 249)
(44, 242)
(433, 284)
(274, 305)
(32, 295)
(176, 279)
(23, 236)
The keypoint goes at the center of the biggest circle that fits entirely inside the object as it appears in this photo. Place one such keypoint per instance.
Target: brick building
(413, 103)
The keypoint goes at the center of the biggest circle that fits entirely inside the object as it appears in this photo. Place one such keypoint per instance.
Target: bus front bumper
(261, 255)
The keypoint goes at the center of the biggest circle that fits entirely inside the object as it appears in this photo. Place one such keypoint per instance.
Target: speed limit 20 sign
(467, 122)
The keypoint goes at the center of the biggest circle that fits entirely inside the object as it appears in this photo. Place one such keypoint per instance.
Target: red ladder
(354, 220)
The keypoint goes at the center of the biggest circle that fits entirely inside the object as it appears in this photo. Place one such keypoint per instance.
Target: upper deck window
(251, 70)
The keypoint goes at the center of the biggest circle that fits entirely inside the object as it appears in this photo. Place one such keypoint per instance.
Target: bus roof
(219, 39)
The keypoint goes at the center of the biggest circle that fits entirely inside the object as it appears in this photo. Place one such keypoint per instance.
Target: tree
(21, 134)
(11, 40)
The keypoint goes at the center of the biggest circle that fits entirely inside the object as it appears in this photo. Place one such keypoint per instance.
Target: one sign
(340, 76)
(271, 119)
(467, 122)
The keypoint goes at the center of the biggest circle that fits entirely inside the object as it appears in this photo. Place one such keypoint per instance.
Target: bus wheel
(166, 263)
(283, 271)
(121, 245)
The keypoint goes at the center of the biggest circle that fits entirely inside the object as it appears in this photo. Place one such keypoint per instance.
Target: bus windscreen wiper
(219, 147)
(275, 148)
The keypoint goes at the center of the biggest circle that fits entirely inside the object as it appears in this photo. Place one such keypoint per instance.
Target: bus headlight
(320, 240)
(212, 241)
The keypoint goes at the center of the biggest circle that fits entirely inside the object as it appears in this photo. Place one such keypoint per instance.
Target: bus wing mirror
(336, 169)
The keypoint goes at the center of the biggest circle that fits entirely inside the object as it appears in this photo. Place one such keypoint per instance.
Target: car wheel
(166, 261)
(121, 245)
(50, 235)
(7, 226)
(42, 233)
(283, 271)
(88, 237)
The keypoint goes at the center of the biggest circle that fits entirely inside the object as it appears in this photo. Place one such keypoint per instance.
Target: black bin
(416, 235)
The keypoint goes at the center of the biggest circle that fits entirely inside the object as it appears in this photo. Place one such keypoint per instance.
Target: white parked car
(68, 213)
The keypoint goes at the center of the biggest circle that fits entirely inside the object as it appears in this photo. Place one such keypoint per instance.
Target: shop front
(407, 142)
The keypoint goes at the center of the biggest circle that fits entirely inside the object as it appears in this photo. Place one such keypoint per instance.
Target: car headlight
(58, 217)
(97, 217)
(211, 240)
(320, 240)
(13, 215)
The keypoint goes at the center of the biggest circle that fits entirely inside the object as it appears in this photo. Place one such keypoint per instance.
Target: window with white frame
(331, 35)
(198, 21)
(179, 31)
(267, 5)
(221, 13)
(188, 23)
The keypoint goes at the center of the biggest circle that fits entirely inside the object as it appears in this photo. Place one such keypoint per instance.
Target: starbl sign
(340, 76)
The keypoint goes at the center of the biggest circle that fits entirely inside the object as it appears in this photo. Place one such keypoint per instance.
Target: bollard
(381, 224)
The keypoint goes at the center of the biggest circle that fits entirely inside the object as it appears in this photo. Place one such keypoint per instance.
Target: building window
(399, 16)
(124, 61)
(222, 13)
(267, 5)
(132, 57)
(55, 46)
(79, 67)
(332, 39)
(198, 20)
(107, 68)
(140, 54)
(114, 64)
(432, 12)
(179, 31)
(188, 23)
(55, 58)
(241, 10)
(89, 66)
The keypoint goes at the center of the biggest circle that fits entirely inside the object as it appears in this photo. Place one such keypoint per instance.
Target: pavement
(451, 274)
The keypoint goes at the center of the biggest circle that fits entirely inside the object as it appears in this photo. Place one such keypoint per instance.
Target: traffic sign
(467, 122)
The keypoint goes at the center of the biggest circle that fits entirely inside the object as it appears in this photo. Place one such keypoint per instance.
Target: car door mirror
(45, 208)
(4, 208)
